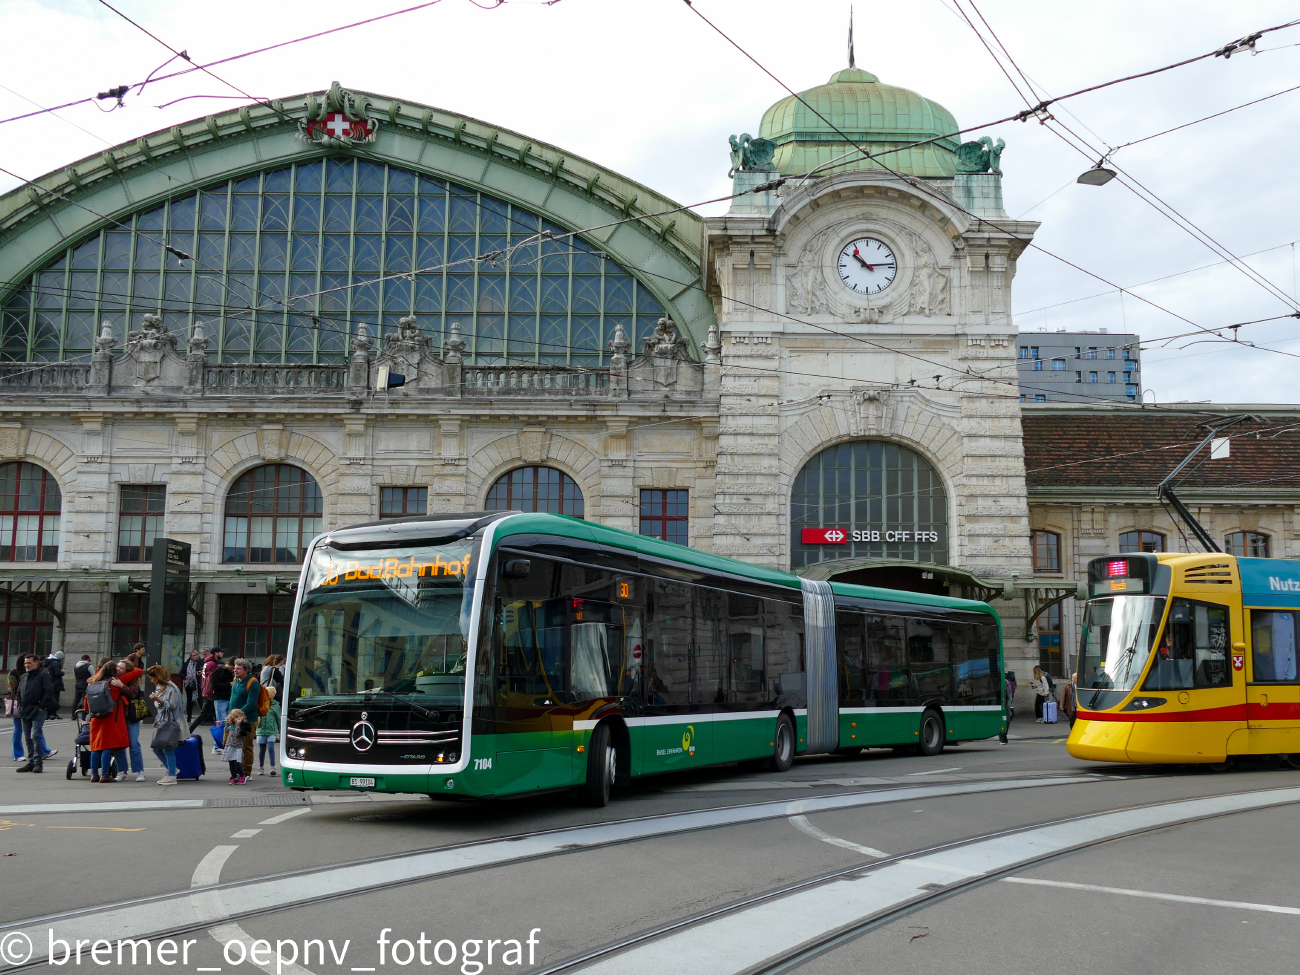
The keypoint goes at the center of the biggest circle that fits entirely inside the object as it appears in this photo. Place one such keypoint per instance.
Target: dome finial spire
(852, 64)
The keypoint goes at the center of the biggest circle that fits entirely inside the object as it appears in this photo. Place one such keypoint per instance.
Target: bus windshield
(1118, 633)
(393, 621)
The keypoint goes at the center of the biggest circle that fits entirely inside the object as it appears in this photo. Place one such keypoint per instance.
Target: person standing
(109, 738)
(191, 677)
(137, 709)
(35, 698)
(244, 694)
(54, 667)
(237, 732)
(1042, 690)
(1069, 702)
(268, 734)
(168, 698)
(81, 672)
(221, 680)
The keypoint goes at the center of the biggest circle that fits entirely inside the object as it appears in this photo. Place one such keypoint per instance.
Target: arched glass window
(1249, 544)
(536, 489)
(868, 498)
(272, 513)
(1047, 552)
(1141, 542)
(30, 505)
(320, 229)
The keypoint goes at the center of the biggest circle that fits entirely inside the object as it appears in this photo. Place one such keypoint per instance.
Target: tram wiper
(423, 712)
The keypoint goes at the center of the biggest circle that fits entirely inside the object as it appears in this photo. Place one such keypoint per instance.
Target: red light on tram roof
(1117, 568)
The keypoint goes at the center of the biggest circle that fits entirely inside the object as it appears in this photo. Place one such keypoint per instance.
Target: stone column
(359, 368)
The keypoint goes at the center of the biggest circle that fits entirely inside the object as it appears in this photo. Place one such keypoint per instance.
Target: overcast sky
(649, 90)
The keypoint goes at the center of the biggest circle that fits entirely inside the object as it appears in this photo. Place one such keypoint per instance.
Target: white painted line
(78, 807)
(936, 771)
(750, 937)
(208, 872)
(802, 825)
(208, 907)
(245, 834)
(276, 820)
(1153, 895)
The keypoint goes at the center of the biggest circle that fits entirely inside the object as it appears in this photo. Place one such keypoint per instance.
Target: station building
(823, 379)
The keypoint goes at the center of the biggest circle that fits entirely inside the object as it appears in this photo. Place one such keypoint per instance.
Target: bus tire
(602, 766)
(782, 745)
(932, 732)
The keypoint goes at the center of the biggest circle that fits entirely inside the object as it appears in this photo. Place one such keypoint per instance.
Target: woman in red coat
(109, 736)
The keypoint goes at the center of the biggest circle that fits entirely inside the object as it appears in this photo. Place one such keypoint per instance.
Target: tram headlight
(1145, 703)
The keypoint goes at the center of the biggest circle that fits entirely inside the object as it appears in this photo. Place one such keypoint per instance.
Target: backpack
(1051, 685)
(263, 699)
(99, 699)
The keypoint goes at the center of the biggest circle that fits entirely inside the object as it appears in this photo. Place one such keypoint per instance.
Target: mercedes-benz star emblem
(363, 736)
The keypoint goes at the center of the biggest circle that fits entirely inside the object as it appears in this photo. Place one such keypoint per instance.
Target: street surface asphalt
(985, 858)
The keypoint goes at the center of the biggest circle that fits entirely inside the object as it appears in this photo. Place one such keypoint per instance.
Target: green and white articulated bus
(492, 654)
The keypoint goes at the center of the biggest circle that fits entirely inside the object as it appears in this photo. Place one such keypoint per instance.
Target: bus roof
(547, 524)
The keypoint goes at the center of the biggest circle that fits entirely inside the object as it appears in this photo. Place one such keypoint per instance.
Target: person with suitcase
(167, 723)
(1042, 691)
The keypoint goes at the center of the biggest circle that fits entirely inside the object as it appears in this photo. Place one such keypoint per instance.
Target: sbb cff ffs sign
(838, 536)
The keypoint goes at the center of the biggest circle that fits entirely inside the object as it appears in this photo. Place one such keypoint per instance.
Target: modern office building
(1079, 367)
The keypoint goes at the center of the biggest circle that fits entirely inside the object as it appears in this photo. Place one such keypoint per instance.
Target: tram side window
(668, 626)
(1272, 645)
(784, 667)
(850, 652)
(928, 653)
(1193, 650)
(889, 678)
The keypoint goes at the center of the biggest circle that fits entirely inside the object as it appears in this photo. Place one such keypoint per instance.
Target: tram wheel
(602, 762)
(931, 732)
(782, 745)
(1290, 761)
(1218, 766)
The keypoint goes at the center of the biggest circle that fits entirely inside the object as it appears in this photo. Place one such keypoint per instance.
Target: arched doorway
(871, 500)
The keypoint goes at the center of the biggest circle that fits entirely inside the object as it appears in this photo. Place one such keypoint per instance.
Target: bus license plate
(357, 782)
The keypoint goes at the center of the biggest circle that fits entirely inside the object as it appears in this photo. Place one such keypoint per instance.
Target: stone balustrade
(44, 376)
(533, 381)
(274, 378)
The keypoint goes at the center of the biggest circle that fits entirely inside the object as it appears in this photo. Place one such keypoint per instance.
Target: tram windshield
(392, 621)
(1118, 633)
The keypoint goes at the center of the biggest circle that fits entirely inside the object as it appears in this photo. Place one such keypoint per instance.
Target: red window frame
(665, 514)
(29, 491)
(537, 488)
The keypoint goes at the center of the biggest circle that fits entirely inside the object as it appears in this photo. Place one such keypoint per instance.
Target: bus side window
(710, 644)
(890, 681)
(668, 638)
(927, 645)
(745, 648)
(786, 676)
(850, 651)
(1272, 645)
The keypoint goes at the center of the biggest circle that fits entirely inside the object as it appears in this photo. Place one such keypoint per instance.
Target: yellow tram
(1188, 659)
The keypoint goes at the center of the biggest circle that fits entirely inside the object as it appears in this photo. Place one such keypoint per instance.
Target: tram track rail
(787, 961)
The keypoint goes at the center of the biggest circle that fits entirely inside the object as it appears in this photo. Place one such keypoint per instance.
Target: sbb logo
(824, 536)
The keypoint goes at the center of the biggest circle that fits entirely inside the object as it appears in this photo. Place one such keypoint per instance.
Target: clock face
(867, 266)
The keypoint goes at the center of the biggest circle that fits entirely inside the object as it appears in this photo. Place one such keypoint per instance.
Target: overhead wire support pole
(1165, 490)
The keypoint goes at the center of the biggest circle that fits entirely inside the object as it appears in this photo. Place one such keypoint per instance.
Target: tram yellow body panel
(1236, 692)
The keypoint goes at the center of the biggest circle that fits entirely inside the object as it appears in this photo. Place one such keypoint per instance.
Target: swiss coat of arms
(342, 119)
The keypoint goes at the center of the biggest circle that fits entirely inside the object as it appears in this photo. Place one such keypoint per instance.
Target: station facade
(823, 379)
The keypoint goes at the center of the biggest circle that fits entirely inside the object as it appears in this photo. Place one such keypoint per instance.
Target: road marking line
(74, 807)
(245, 834)
(936, 771)
(774, 928)
(111, 829)
(168, 913)
(276, 820)
(802, 825)
(1154, 895)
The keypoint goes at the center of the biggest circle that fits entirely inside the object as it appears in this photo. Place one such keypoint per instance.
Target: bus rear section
(1188, 659)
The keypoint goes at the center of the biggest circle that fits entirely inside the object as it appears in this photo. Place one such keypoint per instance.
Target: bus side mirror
(517, 569)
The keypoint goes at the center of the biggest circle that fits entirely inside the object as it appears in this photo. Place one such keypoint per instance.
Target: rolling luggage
(1049, 712)
(189, 758)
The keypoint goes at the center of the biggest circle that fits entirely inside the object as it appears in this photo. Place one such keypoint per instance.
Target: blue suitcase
(218, 733)
(189, 758)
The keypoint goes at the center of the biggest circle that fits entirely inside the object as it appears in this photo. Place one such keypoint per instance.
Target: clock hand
(858, 257)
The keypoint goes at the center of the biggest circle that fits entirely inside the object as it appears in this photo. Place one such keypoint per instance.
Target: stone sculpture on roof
(982, 156)
(750, 155)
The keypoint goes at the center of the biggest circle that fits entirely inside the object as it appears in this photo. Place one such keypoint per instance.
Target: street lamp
(1099, 175)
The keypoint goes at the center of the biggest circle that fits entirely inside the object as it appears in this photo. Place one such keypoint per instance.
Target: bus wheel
(782, 745)
(1290, 761)
(931, 732)
(602, 761)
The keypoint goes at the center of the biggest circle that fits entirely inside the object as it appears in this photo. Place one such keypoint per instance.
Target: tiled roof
(1128, 450)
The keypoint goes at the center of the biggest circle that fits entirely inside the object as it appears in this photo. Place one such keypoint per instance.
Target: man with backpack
(54, 667)
(246, 695)
(35, 698)
(81, 672)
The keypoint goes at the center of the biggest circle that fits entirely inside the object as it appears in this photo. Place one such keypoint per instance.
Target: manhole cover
(256, 801)
(377, 818)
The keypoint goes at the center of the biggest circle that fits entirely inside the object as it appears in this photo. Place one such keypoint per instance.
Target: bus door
(1273, 691)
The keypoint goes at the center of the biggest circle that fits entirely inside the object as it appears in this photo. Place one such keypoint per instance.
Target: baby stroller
(80, 745)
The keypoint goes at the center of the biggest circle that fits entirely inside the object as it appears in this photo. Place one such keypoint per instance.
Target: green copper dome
(871, 114)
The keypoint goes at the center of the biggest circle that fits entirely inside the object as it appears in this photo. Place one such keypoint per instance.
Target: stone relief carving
(806, 292)
(409, 341)
(665, 341)
(929, 292)
(150, 346)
